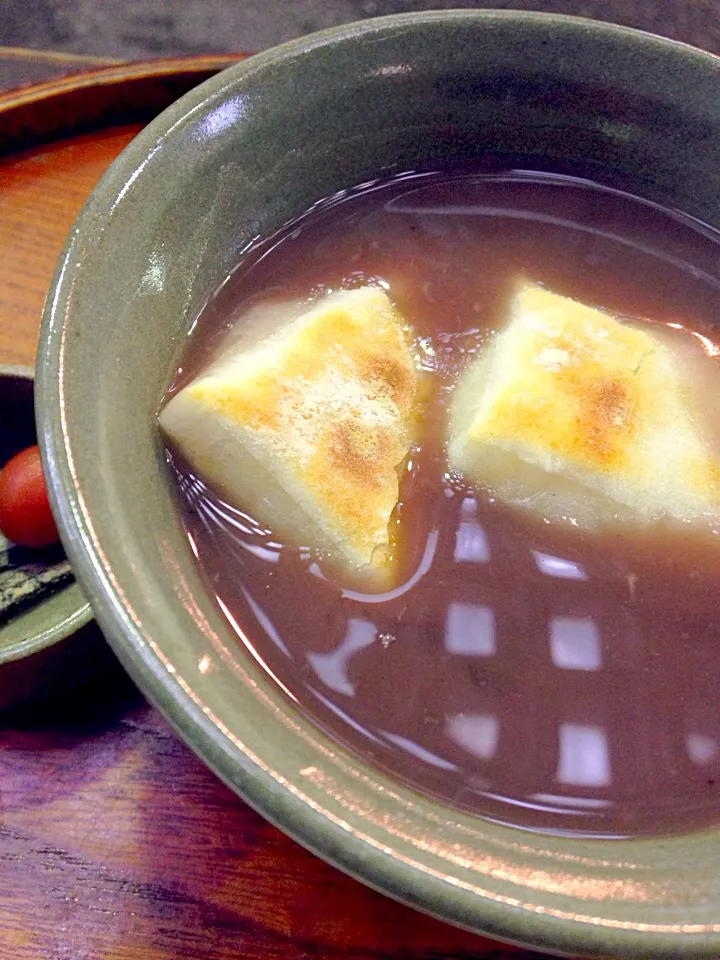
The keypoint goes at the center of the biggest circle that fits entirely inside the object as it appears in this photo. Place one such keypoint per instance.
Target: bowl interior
(235, 159)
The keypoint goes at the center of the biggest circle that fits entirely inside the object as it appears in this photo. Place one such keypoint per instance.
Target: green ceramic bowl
(236, 157)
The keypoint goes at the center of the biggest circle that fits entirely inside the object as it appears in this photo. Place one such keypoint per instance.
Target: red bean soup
(529, 672)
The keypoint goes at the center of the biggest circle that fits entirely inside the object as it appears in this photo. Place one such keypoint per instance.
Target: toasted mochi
(570, 413)
(305, 428)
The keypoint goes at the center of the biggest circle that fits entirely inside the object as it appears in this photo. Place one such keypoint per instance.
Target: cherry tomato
(25, 516)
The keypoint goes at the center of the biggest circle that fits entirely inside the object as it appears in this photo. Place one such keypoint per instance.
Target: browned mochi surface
(572, 413)
(306, 427)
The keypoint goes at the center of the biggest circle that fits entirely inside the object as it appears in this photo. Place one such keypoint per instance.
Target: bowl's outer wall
(233, 160)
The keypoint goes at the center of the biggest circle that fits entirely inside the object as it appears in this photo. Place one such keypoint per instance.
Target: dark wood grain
(115, 841)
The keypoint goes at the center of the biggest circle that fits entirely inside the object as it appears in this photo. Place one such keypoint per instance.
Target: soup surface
(521, 669)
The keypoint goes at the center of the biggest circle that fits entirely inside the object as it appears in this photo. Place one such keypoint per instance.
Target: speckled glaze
(236, 158)
(38, 648)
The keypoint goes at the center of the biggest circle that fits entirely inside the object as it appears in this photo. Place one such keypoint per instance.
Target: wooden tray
(115, 841)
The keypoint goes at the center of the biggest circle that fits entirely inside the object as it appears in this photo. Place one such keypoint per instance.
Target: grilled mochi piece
(306, 427)
(571, 414)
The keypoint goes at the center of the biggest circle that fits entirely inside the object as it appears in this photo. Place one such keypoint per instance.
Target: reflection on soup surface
(519, 664)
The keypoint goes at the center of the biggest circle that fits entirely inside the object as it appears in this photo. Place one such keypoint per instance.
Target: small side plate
(41, 605)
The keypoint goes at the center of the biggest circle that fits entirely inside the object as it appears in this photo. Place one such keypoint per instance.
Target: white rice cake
(305, 428)
(571, 414)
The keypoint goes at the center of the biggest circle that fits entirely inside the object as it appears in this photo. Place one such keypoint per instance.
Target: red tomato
(25, 516)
